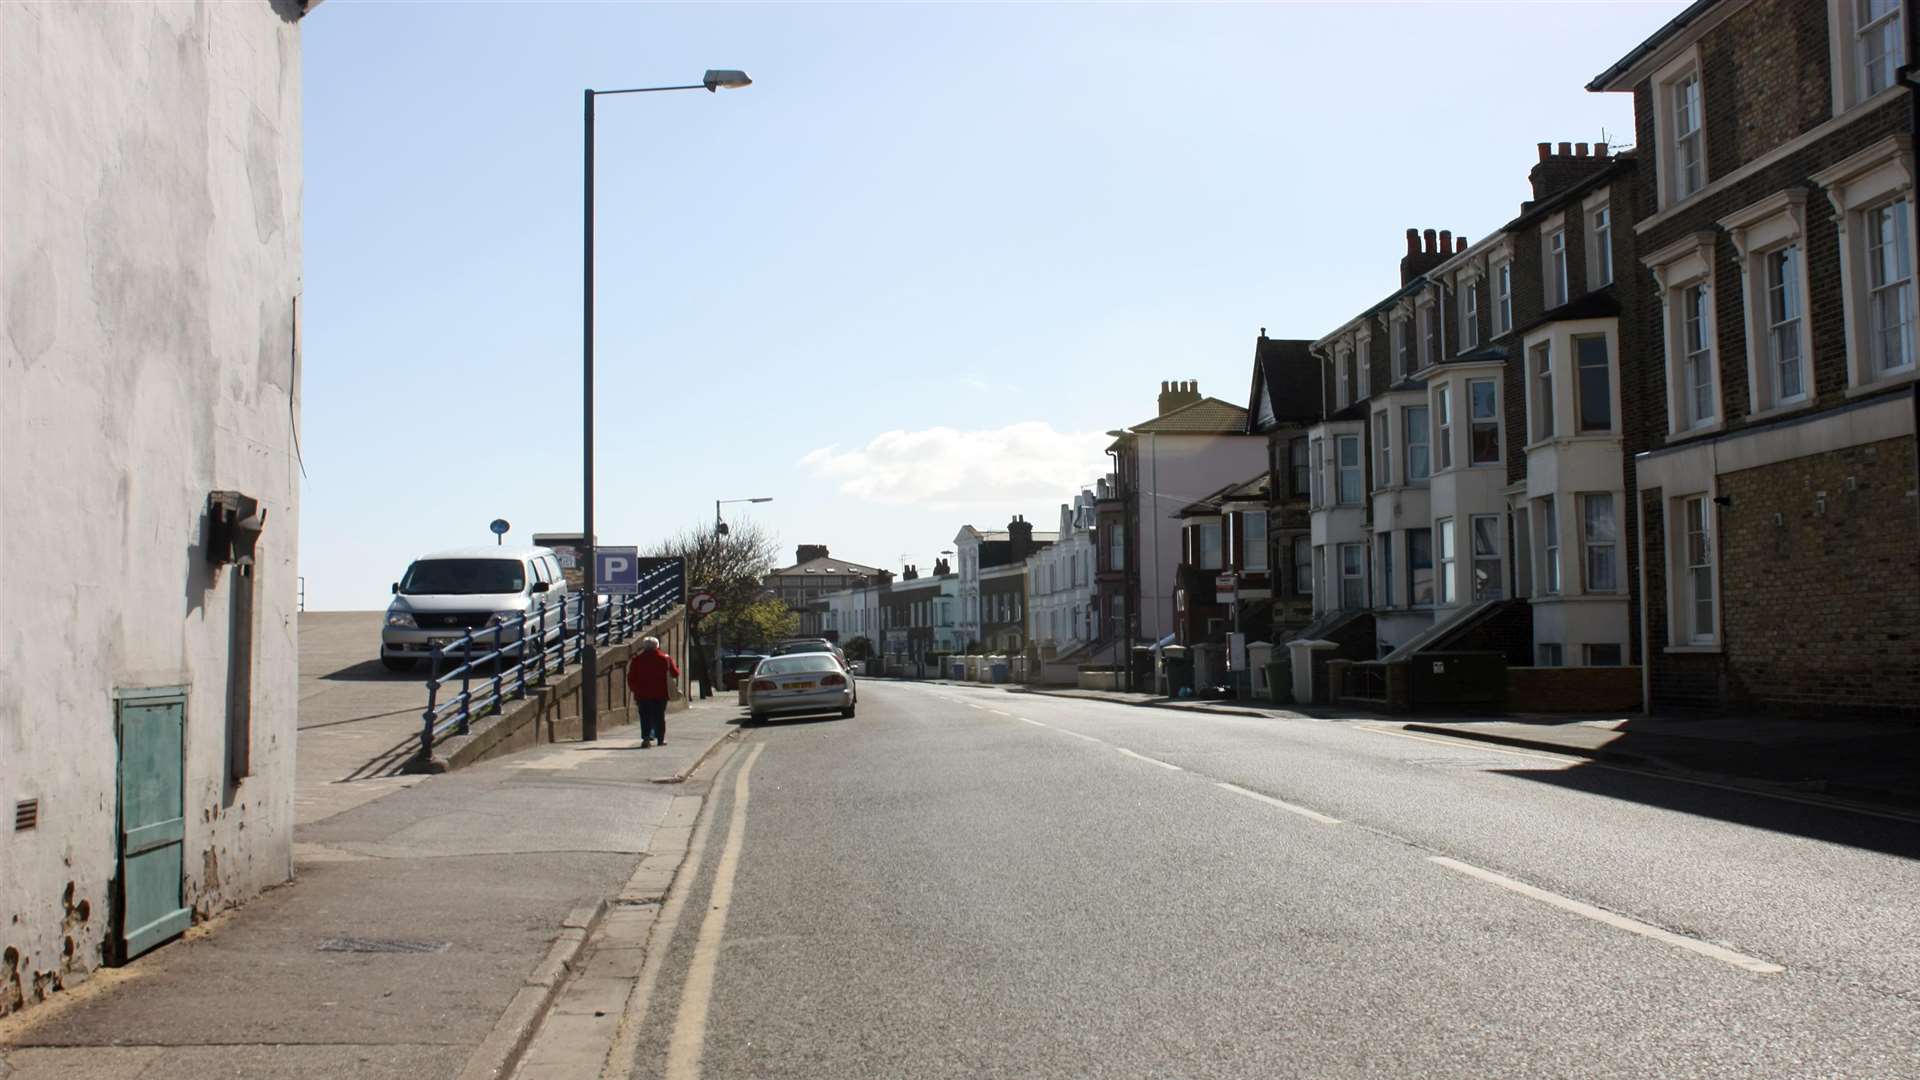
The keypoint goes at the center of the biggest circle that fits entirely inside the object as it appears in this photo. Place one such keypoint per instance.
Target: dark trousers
(653, 718)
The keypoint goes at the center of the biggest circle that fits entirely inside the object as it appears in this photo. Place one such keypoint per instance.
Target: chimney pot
(1545, 150)
(1413, 241)
(1459, 244)
(1566, 149)
(1165, 386)
(1446, 241)
(1600, 149)
(1579, 149)
(1430, 245)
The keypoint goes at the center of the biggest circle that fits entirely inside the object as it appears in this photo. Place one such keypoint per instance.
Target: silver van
(446, 594)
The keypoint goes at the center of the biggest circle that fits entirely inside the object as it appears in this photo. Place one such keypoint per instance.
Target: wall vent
(26, 814)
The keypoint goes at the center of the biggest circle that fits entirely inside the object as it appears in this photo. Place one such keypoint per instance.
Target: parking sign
(616, 569)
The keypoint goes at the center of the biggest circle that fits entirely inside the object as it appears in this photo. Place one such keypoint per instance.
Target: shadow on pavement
(1833, 825)
(374, 671)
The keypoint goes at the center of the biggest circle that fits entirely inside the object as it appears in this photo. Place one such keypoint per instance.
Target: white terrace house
(1060, 584)
(1337, 491)
(1400, 469)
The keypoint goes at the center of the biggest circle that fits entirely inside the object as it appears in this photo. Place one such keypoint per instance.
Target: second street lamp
(719, 526)
(714, 80)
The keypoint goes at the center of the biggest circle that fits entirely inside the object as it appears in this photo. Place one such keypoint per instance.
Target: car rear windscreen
(793, 665)
(463, 577)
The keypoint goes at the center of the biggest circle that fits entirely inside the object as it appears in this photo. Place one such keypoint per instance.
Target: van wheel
(396, 663)
(846, 713)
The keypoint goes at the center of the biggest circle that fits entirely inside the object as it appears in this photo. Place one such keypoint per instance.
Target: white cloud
(943, 468)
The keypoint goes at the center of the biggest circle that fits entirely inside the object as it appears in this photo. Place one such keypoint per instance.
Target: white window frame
(1425, 442)
(1540, 405)
(1341, 471)
(1592, 545)
(1253, 556)
(1577, 385)
(1316, 455)
(1846, 55)
(1382, 449)
(1358, 578)
(1303, 582)
(1549, 654)
(1597, 212)
(1398, 330)
(1445, 554)
(1684, 561)
(1499, 427)
(1442, 415)
(1342, 393)
(1876, 176)
(1549, 515)
(1201, 531)
(1467, 289)
(1363, 364)
(1686, 264)
(1555, 287)
(1497, 558)
(1759, 232)
(1666, 145)
(1503, 297)
(1383, 545)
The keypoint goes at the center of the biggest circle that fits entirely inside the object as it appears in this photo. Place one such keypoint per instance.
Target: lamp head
(724, 79)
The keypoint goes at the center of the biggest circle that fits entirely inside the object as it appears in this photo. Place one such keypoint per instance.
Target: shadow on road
(374, 671)
(1833, 825)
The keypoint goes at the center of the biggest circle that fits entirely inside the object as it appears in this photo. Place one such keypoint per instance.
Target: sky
(903, 283)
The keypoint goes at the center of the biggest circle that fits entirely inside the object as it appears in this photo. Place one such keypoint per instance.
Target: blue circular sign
(499, 526)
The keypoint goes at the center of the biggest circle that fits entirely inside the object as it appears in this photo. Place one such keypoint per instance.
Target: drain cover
(375, 945)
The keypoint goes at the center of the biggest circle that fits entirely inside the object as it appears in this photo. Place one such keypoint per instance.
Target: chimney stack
(810, 552)
(1425, 250)
(1177, 395)
(1571, 164)
(940, 568)
(1020, 538)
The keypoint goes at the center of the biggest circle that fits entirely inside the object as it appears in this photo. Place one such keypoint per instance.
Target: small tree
(732, 566)
(859, 648)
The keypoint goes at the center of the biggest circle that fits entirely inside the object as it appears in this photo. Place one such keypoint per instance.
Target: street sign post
(1224, 586)
(617, 569)
(499, 527)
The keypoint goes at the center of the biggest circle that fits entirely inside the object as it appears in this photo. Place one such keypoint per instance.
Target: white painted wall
(1176, 470)
(1060, 580)
(150, 186)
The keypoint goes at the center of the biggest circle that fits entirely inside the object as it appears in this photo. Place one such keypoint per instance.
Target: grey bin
(1002, 672)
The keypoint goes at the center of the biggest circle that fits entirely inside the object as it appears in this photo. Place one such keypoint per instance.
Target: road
(964, 882)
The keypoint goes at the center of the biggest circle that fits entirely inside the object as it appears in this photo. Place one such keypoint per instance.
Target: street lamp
(720, 527)
(714, 80)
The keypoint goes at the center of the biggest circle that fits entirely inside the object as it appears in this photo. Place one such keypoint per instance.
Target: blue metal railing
(495, 664)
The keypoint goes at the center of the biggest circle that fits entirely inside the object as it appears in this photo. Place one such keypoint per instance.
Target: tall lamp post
(720, 529)
(590, 675)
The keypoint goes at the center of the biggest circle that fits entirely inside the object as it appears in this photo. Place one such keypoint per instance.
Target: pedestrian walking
(650, 676)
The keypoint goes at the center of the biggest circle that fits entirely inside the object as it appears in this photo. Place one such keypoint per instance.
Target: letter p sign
(617, 569)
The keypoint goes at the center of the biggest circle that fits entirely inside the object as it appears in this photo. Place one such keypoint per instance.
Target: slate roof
(828, 566)
(1290, 374)
(1208, 416)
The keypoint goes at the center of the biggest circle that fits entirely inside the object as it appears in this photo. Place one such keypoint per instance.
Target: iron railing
(495, 664)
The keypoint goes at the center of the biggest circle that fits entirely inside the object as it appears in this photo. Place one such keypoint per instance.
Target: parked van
(444, 595)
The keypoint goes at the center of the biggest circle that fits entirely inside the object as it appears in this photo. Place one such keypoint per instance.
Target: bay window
(1420, 567)
(1419, 463)
(1353, 577)
(1443, 423)
(1488, 583)
(1601, 540)
(1382, 449)
(1253, 540)
(1206, 538)
(1540, 365)
(1550, 546)
(1593, 384)
(1484, 421)
(1352, 485)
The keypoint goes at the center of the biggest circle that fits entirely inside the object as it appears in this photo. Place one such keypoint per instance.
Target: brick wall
(1506, 629)
(1822, 608)
(1573, 689)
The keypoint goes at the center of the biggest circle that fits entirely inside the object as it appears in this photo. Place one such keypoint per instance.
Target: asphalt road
(963, 882)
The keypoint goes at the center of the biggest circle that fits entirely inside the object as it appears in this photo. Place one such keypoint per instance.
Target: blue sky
(900, 284)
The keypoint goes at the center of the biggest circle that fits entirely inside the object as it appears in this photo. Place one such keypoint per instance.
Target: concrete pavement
(416, 918)
(977, 884)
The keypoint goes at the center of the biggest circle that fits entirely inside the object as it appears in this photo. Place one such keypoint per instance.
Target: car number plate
(799, 686)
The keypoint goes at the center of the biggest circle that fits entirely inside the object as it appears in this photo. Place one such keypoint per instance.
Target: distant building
(814, 574)
(150, 372)
(1060, 596)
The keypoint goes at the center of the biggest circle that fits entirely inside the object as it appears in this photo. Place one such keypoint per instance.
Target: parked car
(807, 645)
(802, 682)
(737, 667)
(445, 594)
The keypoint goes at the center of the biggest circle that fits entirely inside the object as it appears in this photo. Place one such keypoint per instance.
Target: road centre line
(1077, 735)
(1150, 761)
(1281, 804)
(1035, 723)
(1621, 922)
(690, 1027)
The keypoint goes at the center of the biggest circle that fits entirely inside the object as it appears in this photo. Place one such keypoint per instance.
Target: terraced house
(1775, 463)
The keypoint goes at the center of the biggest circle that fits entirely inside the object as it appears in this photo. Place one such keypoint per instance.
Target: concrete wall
(149, 278)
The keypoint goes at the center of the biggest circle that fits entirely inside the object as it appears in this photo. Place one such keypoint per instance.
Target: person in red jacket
(648, 675)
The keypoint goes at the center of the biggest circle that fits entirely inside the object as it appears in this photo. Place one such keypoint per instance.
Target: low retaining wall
(551, 713)
(1573, 689)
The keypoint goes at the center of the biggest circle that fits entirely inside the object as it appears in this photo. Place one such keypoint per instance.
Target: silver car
(448, 593)
(810, 682)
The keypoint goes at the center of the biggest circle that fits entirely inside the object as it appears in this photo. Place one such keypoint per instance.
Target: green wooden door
(152, 823)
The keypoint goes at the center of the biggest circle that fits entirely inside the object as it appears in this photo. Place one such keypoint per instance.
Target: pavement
(422, 911)
(970, 883)
(1867, 762)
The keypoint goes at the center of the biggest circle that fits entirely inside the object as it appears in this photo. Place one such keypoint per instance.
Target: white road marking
(1035, 723)
(1290, 808)
(1077, 735)
(1621, 922)
(1150, 761)
(690, 1028)
(997, 712)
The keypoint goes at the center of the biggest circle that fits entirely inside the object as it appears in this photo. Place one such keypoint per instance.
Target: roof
(489, 551)
(1599, 304)
(1624, 161)
(1208, 416)
(1419, 282)
(1254, 489)
(1288, 372)
(828, 565)
(1606, 79)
